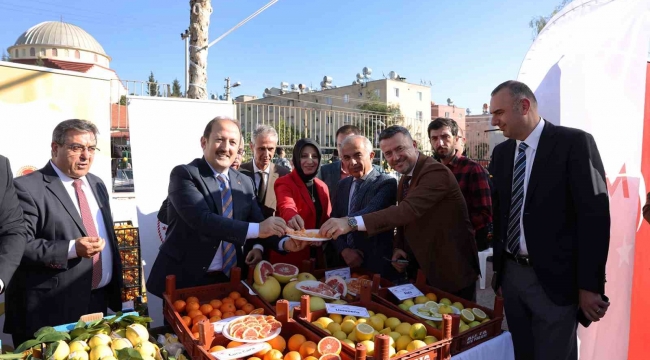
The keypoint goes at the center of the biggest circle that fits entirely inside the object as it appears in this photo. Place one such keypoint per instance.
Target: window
(396, 92)
(447, 114)
(55, 53)
(23, 52)
(418, 115)
(42, 51)
(32, 52)
(329, 101)
(77, 54)
(329, 119)
(420, 95)
(377, 92)
(290, 102)
(346, 98)
(16, 53)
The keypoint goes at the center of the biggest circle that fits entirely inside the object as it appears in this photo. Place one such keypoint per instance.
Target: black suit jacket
(378, 191)
(196, 228)
(566, 212)
(48, 289)
(275, 172)
(13, 234)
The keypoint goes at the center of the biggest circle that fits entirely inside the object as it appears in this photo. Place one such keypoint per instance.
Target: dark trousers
(468, 293)
(540, 328)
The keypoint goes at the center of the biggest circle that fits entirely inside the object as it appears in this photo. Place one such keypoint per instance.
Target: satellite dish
(294, 87)
(392, 75)
(359, 76)
(323, 84)
(301, 86)
(327, 79)
(450, 102)
(267, 91)
(265, 95)
(367, 71)
(355, 82)
(221, 97)
(213, 97)
(284, 85)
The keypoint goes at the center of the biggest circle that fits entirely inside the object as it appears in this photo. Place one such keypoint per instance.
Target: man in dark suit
(262, 170)
(364, 192)
(433, 227)
(332, 173)
(213, 214)
(12, 229)
(71, 264)
(552, 226)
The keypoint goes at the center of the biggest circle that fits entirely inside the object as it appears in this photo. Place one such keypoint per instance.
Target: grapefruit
(330, 357)
(306, 276)
(329, 345)
(338, 283)
(262, 271)
(269, 290)
(284, 272)
(290, 292)
(316, 303)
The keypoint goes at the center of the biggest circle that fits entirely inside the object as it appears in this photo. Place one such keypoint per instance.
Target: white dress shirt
(266, 173)
(100, 227)
(533, 143)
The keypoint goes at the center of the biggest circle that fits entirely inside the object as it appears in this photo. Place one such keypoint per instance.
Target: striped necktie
(229, 258)
(517, 200)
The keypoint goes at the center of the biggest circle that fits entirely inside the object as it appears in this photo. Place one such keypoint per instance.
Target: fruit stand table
(499, 347)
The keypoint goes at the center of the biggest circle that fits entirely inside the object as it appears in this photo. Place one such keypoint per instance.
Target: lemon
(391, 342)
(474, 324)
(79, 345)
(372, 313)
(408, 303)
(382, 316)
(324, 321)
(445, 301)
(352, 336)
(445, 309)
(362, 321)
(62, 351)
(403, 328)
(392, 322)
(78, 355)
(318, 325)
(370, 347)
(333, 327)
(404, 307)
(119, 344)
(100, 351)
(463, 328)
(479, 314)
(364, 332)
(327, 331)
(431, 305)
(430, 339)
(347, 326)
(485, 320)
(415, 344)
(467, 316)
(418, 331)
(395, 335)
(401, 352)
(340, 335)
(146, 348)
(349, 342)
(458, 305)
(350, 317)
(391, 352)
(136, 333)
(421, 299)
(99, 339)
(336, 318)
(402, 342)
(376, 322)
(385, 331)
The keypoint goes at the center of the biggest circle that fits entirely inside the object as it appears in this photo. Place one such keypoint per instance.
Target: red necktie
(89, 224)
(405, 186)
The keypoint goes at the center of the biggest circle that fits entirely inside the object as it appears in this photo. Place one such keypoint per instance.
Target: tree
(380, 115)
(5, 57)
(153, 89)
(176, 89)
(538, 23)
(200, 11)
(287, 134)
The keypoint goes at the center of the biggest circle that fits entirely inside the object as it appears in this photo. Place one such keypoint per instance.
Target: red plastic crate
(440, 350)
(204, 294)
(461, 341)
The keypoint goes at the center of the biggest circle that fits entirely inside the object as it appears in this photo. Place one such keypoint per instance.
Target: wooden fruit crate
(461, 341)
(208, 338)
(440, 350)
(204, 294)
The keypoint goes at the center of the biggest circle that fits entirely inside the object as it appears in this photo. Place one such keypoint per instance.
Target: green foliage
(153, 89)
(538, 23)
(287, 134)
(176, 89)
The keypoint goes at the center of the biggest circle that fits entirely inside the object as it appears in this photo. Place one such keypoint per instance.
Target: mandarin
(215, 303)
(205, 309)
(227, 314)
(194, 313)
(195, 328)
(179, 305)
(215, 312)
(234, 295)
(228, 308)
(308, 348)
(228, 300)
(196, 319)
(187, 320)
(240, 312)
(278, 343)
(292, 355)
(192, 306)
(233, 344)
(195, 335)
(296, 341)
(217, 348)
(261, 353)
(240, 302)
(273, 355)
(215, 319)
(192, 299)
(248, 308)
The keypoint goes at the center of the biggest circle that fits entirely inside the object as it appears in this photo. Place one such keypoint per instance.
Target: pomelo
(284, 272)
(290, 292)
(337, 283)
(479, 314)
(306, 276)
(316, 303)
(262, 271)
(269, 290)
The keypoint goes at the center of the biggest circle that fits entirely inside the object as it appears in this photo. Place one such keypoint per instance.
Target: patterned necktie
(517, 200)
(261, 191)
(406, 185)
(91, 230)
(354, 207)
(229, 258)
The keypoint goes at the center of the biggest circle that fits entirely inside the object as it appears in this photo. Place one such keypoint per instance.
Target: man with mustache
(433, 228)
(71, 266)
(472, 177)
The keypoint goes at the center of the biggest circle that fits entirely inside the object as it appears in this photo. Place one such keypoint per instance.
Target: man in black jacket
(12, 229)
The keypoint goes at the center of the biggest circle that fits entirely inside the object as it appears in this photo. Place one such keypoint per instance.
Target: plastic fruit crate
(208, 338)
(204, 294)
(439, 350)
(461, 341)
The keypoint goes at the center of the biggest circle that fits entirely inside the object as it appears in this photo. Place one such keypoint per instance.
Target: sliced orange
(329, 345)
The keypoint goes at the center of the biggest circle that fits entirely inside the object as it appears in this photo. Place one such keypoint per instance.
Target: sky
(464, 47)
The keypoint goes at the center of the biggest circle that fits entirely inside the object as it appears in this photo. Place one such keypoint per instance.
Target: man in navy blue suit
(364, 192)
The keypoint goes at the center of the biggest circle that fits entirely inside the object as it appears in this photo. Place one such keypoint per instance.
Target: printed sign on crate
(347, 310)
(344, 273)
(407, 291)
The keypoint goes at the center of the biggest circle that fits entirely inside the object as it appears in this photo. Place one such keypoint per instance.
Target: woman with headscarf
(303, 199)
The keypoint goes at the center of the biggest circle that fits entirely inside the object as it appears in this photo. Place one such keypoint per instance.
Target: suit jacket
(13, 234)
(566, 212)
(331, 175)
(47, 288)
(196, 228)
(377, 192)
(433, 225)
(294, 199)
(275, 172)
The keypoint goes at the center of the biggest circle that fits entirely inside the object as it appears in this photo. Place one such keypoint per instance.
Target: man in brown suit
(433, 226)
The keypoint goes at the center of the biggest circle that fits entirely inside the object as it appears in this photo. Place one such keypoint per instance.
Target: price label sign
(240, 351)
(344, 273)
(357, 311)
(403, 292)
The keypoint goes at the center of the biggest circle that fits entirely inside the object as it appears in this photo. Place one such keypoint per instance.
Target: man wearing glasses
(71, 265)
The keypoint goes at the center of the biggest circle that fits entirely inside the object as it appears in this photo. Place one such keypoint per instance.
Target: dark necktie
(91, 230)
(354, 206)
(261, 191)
(517, 200)
(406, 185)
(229, 256)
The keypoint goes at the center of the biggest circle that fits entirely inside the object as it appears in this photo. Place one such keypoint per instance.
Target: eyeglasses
(78, 149)
(241, 152)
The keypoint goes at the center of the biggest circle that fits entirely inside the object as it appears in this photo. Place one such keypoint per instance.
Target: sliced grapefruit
(284, 272)
(263, 270)
(338, 283)
(239, 333)
(330, 357)
(250, 334)
(329, 345)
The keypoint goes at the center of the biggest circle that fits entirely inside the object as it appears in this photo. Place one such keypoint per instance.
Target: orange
(259, 311)
(233, 344)
(179, 306)
(215, 312)
(261, 353)
(329, 345)
(310, 358)
(292, 355)
(308, 348)
(195, 328)
(205, 309)
(195, 335)
(254, 358)
(248, 308)
(329, 357)
(194, 313)
(227, 308)
(432, 296)
(296, 341)
(196, 319)
(240, 302)
(187, 320)
(192, 306)
(240, 312)
(227, 314)
(215, 303)
(278, 343)
(273, 355)
(215, 319)
(217, 348)
(228, 300)
(234, 295)
(192, 299)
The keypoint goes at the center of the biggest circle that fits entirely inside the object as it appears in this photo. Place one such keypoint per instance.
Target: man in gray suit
(262, 170)
(364, 192)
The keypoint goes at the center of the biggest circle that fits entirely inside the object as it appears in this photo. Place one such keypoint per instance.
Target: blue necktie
(229, 258)
(517, 200)
(354, 206)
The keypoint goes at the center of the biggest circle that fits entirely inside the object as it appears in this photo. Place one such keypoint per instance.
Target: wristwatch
(353, 223)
